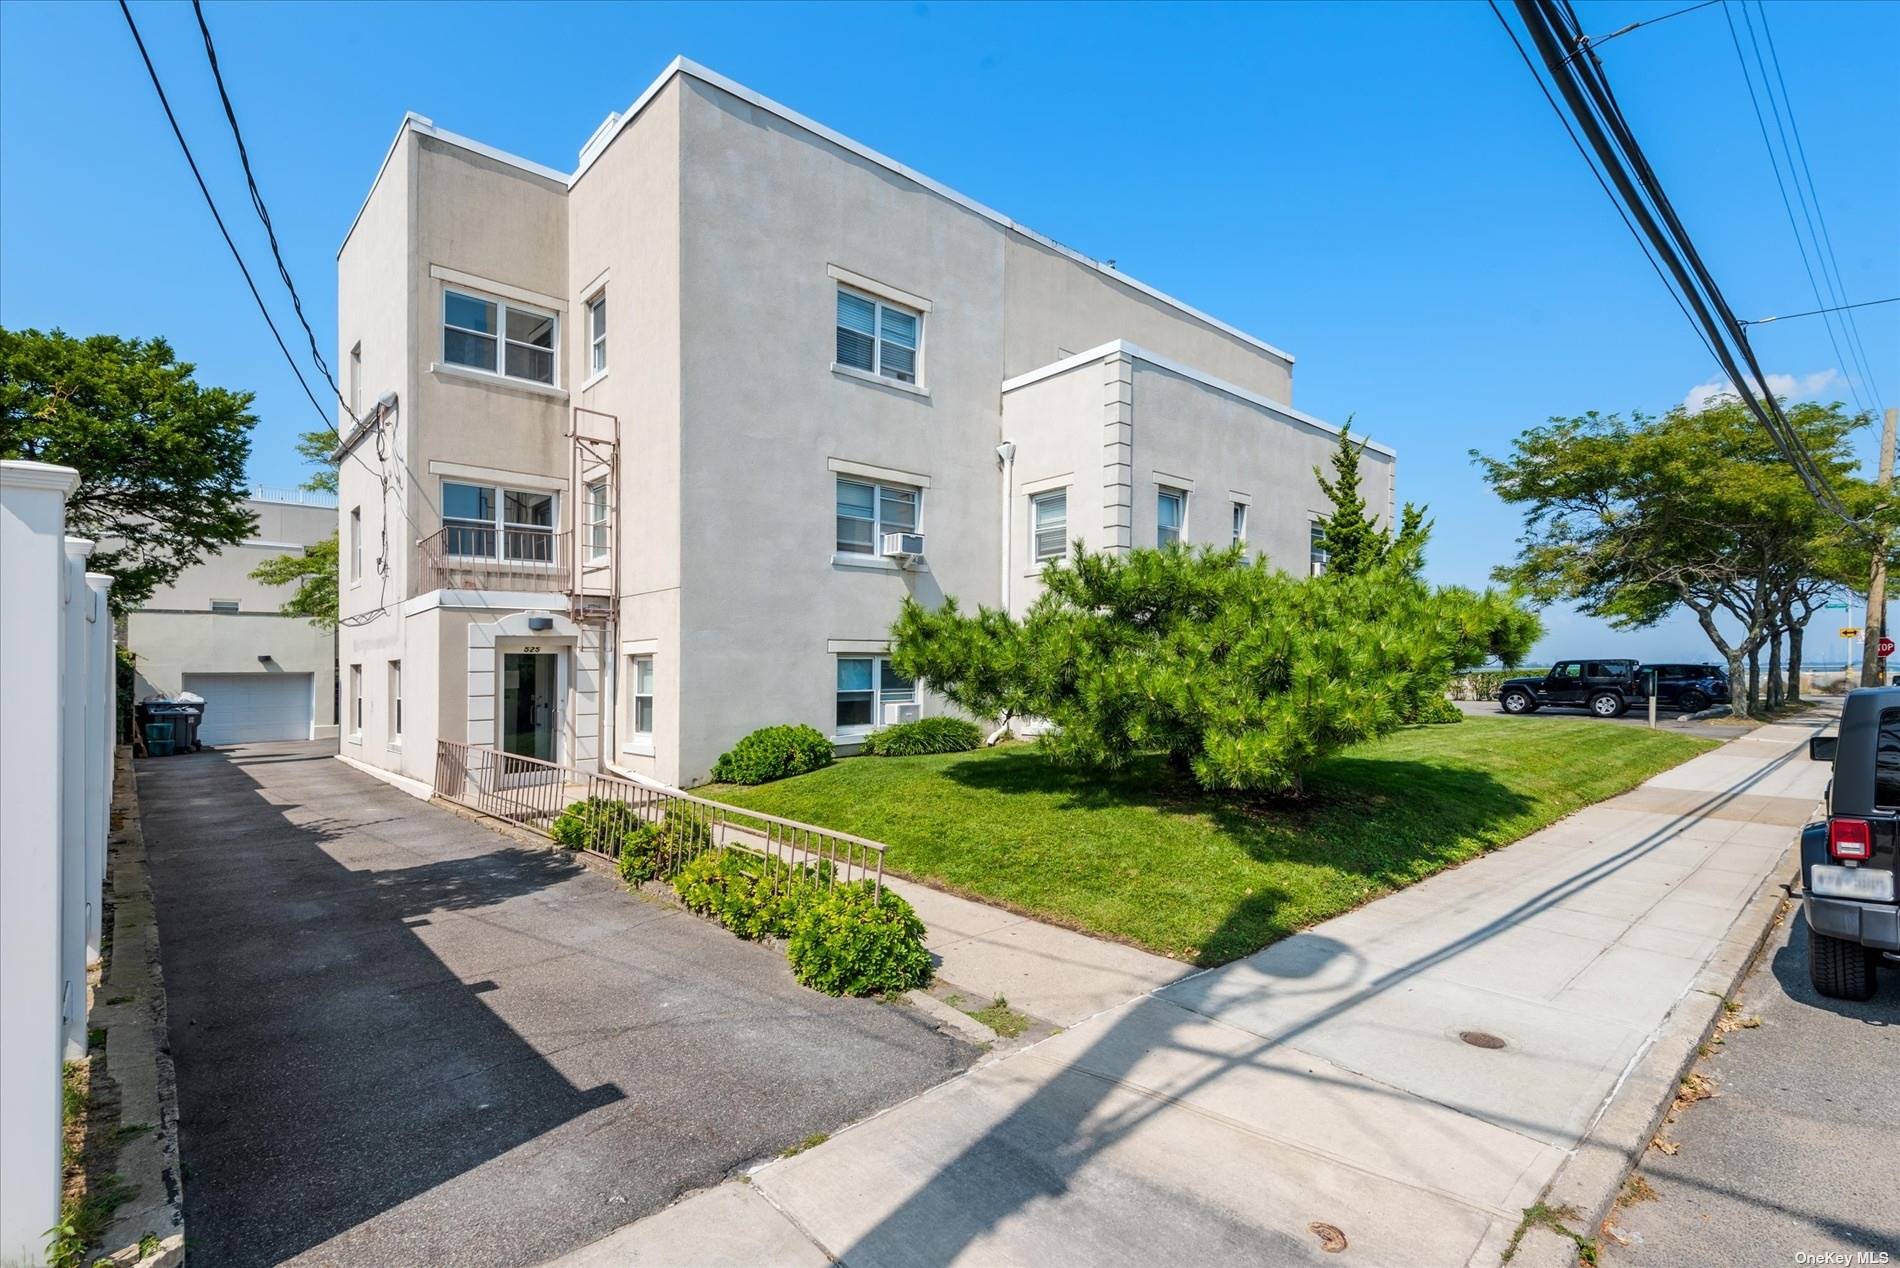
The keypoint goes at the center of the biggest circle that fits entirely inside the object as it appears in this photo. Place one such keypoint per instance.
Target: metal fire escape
(593, 455)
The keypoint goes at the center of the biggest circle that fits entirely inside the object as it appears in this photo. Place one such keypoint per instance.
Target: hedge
(926, 735)
(773, 752)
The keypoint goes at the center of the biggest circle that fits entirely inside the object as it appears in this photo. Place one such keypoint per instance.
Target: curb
(1586, 1187)
(149, 1231)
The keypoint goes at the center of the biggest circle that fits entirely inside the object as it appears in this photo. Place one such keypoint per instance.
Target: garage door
(244, 707)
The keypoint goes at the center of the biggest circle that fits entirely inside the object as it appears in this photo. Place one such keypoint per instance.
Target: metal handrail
(531, 793)
(549, 567)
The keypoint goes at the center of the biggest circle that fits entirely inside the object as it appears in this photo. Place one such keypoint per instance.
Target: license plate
(1867, 884)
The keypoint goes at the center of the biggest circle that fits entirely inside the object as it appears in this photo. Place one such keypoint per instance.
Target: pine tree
(1350, 536)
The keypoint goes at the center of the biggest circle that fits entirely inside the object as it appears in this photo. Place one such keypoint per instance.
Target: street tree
(160, 456)
(1631, 518)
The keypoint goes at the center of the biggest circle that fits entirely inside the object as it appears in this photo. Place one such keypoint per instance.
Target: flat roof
(1169, 364)
(597, 145)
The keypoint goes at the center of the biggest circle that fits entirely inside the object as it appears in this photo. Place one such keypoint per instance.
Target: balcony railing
(481, 557)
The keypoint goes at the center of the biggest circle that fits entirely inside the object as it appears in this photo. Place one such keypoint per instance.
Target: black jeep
(1688, 688)
(1849, 863)
(1604, 687)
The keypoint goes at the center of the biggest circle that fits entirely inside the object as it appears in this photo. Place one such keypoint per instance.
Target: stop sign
(1886, 647)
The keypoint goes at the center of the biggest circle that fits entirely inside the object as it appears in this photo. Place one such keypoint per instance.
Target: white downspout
(1006, 455)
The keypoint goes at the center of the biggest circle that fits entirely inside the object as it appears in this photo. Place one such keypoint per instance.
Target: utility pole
(1873, 666)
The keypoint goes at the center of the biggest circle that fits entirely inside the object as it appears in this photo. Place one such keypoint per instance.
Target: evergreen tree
(1351, 536)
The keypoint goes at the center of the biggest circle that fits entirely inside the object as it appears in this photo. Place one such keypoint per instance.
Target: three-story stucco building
(650, 452)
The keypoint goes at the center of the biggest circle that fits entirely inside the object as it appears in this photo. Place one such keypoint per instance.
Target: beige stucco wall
(767, 208)
(624, 231)
(1058, 307)
(175, 632)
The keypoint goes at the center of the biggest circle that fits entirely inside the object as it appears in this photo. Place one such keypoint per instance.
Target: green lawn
(1147, 857)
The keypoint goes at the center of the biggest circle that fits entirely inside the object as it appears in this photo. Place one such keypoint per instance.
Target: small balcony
(483, 557)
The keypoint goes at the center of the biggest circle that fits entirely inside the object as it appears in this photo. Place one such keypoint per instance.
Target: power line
(1590, 163)
(1815, 312)
(1822, 303)
(263, 213)
(1827, 239)
(1625, 30)
(1579, 78)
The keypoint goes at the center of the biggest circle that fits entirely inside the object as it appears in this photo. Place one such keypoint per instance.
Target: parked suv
(1689, 688)
(1849, 863)
(1604, 687)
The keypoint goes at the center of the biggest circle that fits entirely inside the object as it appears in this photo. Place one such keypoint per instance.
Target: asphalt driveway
(403, 1039)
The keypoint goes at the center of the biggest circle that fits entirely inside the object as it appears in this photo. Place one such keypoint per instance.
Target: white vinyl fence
(57, 672)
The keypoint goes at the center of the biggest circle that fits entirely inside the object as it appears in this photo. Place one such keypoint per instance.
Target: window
(877, 337)
(597, 333)
(475, 332)
(1170, 516)
(356, 543)
(224, 606)
(395, 701)
(1887, 760)
(865, 685)
(517, 525)
(356, 381)
(1049, 524)
(643, 696)
(597, 535)
(1316, 548)
(866, 511)
(356, 702)
(1240, 523)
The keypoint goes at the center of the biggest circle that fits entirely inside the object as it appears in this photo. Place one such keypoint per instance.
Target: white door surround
(577, 651)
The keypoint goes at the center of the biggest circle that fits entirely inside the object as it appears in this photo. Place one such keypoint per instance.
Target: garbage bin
(181, 717)
(158, 739)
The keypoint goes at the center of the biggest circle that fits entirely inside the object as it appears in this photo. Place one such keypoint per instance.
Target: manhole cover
(1331, 1240)
(1481, 1039)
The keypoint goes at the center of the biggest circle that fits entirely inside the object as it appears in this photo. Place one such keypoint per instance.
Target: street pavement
(403, 1039)
(1401, 1081)
(1798, 1151)
(1718, 728)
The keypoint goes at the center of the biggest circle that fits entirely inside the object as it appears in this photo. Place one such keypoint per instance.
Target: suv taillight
(1849, 839)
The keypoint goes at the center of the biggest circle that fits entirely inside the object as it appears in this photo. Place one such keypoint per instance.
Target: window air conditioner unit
(903, 547)
(896, 713)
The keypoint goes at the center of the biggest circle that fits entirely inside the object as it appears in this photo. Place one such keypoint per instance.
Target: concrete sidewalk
(1407, 1078)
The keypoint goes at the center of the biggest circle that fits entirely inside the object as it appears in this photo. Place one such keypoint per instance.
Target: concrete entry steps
(1409, 1076)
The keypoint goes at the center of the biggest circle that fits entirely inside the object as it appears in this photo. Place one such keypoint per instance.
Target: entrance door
(528, 704)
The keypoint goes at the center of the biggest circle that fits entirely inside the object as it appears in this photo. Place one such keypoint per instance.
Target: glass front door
(529, 702)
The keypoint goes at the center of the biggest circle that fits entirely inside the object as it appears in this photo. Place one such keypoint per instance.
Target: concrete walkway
(1407, 1077)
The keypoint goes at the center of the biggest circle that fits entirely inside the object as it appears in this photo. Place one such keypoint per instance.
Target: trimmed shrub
(642, 854)
(1434, 711)
(702, 882)
(851, 940)
(750, 894)
(926, 735)
(593, 823)
(773, 752)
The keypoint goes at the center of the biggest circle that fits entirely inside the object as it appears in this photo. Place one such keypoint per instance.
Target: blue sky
(1378, 188)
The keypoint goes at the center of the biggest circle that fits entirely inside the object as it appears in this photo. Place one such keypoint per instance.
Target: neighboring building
(216, 632)
(652, 451)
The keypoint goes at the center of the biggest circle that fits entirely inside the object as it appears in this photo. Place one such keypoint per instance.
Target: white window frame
(356, 381)
(1316, 554)
(356, 704)
(878, 697)
(356, 545)
(878, 527)
(1162, 493)
(1240, 513)
(500, 335)
(877, 371)
(598, 520)
(635, 731)
(597, 335)
(395, 703)
(1036, 554)
(500, 526)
